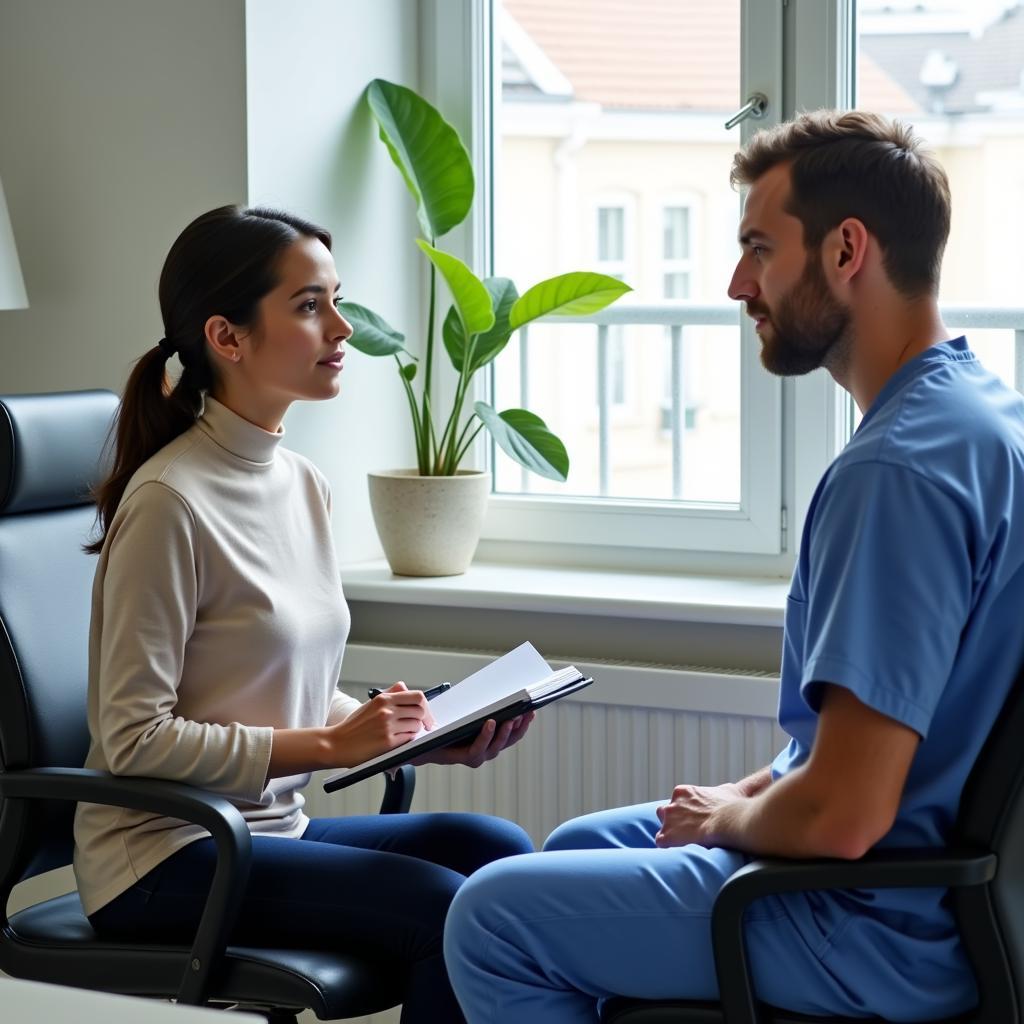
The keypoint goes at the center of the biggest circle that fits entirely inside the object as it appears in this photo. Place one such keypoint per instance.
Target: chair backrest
(52, 451)
(992, 817)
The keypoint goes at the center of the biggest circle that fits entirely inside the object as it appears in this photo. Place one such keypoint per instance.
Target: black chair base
(58, 942)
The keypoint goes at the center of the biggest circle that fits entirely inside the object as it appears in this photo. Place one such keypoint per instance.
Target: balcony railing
(676, 316)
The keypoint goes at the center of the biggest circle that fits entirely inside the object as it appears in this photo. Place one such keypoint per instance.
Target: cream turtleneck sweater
(217, 616)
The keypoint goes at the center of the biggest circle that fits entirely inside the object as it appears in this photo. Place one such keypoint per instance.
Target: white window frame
(791, 429)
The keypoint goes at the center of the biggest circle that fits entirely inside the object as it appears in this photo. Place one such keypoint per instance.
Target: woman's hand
(387, 721)
(489, 743)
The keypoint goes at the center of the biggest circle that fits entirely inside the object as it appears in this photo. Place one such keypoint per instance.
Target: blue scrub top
(908, 591)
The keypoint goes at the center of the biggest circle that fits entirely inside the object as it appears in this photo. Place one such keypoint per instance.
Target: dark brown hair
(858, 164)
(222, 264)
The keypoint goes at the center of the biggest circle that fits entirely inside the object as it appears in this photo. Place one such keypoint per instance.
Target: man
(901, 640)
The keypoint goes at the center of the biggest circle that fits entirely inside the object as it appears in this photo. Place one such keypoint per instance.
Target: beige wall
(120, 120)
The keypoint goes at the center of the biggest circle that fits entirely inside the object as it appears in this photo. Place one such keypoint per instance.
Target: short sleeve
(888, 590)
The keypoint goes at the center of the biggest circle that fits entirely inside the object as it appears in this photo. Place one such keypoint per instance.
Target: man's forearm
(756, 783)
(787, 818)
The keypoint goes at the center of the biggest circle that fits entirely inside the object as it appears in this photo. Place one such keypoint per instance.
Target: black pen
(434, 691)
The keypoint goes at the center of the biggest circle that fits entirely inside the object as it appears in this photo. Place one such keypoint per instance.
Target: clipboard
(466, 731)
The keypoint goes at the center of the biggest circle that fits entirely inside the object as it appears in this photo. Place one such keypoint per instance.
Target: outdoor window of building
(611, 260)
(676, 252)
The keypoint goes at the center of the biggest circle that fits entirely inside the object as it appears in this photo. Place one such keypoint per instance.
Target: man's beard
(810, 328)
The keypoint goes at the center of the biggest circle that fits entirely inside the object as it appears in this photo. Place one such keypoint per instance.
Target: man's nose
(742, 287)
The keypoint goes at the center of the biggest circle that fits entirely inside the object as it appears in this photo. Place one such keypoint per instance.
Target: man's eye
(758, 250)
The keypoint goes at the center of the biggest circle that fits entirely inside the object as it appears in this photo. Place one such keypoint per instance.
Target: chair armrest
(880, 869)
(398, 790)
(216, 814)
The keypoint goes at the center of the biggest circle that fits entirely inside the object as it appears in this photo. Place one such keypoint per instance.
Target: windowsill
(653, 596)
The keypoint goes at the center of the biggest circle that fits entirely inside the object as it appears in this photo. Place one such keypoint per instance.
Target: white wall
(120, 120)
(313, 148)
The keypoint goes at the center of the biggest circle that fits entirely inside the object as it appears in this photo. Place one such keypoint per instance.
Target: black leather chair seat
(60, 943)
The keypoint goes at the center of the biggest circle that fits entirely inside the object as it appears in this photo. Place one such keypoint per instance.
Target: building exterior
(611, 154)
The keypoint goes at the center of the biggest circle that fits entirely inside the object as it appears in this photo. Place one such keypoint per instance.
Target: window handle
(754, 108)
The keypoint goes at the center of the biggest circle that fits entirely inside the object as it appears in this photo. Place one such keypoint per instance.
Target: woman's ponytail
(152, 414)
(222, 264)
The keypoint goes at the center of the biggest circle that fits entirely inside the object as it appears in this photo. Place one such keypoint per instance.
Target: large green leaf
(575, 294)
(525, 438)
(503, 296)
(472, 300)
(372, 335)
(428, 152)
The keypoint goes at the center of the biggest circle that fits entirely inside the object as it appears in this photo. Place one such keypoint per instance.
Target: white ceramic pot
(429, 525)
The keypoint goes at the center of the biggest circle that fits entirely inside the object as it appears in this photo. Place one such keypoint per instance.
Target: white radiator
(632, 736)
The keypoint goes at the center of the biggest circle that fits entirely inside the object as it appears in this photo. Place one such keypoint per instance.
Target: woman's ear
(223, 338)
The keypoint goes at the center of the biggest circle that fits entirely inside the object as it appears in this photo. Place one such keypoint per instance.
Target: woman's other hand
(489, 743)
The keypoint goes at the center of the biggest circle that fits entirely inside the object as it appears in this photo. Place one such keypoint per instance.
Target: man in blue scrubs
(902, 639)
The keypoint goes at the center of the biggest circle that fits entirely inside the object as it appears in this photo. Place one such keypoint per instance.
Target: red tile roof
(659, 54)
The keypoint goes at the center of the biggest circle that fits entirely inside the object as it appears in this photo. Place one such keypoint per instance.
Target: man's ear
(223, 338)
(844, 250)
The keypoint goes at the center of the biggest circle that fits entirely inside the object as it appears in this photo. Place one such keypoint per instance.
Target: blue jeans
(545, 937)
(378, 885)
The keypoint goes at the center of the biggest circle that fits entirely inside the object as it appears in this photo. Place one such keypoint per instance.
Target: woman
(218, 627)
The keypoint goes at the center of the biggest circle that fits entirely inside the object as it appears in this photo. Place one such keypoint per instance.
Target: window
(709, 462)
(626, 153)
(611, 255)
(953, 69)
(676, 251)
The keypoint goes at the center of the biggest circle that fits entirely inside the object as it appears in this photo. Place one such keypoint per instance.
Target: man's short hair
(862, 165)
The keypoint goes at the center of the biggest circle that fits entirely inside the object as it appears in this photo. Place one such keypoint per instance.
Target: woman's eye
(758, 250)
(338, 300)
(309, 306)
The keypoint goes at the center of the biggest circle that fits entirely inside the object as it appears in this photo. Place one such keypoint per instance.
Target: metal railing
(678, 315)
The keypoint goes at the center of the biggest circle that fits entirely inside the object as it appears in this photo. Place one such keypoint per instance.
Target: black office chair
(983, 867)
(50, 453)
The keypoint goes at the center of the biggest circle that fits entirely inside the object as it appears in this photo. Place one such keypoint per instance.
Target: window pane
(677, 233)
(639, 461)
(677, 285)
(953, 69)
(605, 126)
(611, 235)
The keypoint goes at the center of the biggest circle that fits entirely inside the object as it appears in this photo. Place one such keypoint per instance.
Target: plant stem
(417, 430)
(461, 448)
(423, 441)
(452, 426)
(430, 441)
(453, 420)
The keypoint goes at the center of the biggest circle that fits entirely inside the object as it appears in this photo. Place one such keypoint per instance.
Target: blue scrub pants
(378, 885)
(544, 937)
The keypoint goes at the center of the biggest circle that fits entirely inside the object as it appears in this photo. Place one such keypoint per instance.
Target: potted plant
(429, 518)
